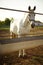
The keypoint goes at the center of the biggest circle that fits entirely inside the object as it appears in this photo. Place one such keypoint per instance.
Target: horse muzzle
(33, 25)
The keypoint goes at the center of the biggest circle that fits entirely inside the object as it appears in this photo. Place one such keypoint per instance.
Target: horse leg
(11, 35)
(24, 53)
(20, 53)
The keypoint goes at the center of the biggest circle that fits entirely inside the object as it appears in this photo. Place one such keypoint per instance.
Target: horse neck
(26, 20)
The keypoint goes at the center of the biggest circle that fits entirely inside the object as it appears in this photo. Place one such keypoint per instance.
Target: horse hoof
(24, 56)
(20, 56)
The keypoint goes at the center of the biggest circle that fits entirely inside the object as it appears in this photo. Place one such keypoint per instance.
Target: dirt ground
(34, 56)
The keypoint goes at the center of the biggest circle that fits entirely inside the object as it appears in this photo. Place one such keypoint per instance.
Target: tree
(0, 23)
(7, 21)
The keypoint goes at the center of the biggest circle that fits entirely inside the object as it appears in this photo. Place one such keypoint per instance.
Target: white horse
(22, 28)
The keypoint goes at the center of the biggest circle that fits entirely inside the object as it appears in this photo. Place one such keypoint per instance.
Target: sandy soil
(34, 57)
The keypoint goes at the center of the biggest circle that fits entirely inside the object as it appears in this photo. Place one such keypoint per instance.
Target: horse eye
(27, 22)
(29, 14)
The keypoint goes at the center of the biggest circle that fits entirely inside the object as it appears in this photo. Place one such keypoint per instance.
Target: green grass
(39, 26)
(8, 27)
(4, 27)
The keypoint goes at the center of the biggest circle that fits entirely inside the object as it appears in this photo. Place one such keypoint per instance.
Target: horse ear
(34, 8)
(29, 8)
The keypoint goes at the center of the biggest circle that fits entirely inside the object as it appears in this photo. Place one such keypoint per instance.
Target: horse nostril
(32, 25)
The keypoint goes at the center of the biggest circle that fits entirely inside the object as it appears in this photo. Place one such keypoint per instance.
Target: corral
(10, 46)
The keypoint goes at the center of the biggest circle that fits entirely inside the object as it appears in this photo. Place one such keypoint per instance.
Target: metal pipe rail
(19, 10)
(11, 45)
(22, 39)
